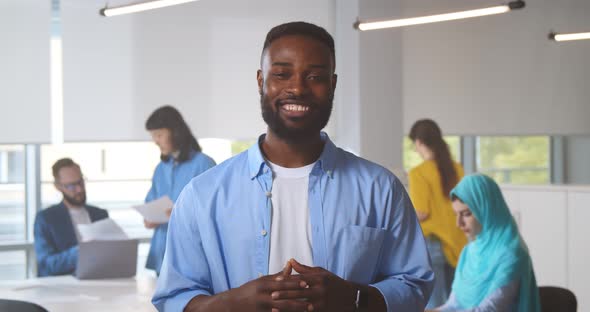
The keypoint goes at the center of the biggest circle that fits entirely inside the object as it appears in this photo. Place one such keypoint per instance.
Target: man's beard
(295, 135)
(81, 201)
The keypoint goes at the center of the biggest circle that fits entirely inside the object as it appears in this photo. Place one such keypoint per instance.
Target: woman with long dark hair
(181, 160)
(430, 184)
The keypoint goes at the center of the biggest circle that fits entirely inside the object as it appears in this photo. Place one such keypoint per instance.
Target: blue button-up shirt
(169, 179)
(364, 229)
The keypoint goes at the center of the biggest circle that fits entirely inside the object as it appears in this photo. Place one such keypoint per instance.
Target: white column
(33, 198)
(369, 99)
(346, 104)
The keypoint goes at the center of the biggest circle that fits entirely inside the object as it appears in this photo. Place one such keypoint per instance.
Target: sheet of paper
(155, 211)
(105, 229)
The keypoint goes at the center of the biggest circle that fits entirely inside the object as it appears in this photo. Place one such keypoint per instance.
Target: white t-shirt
(290, 231)
(79, 216)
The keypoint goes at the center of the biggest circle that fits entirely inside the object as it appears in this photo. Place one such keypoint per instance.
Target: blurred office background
(512, 103)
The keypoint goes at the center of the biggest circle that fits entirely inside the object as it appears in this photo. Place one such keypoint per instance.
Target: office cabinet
(544, 229)
(553, 221)
(579, 253)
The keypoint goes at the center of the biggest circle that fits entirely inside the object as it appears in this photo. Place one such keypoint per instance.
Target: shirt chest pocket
(361, 249)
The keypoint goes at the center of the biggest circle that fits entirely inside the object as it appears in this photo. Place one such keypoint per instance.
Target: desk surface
(66, 293)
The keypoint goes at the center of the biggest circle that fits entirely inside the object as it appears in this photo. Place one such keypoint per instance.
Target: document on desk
(105, 229)
(155, 211)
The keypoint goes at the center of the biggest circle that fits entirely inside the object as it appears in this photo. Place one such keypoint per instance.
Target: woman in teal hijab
(495, 272)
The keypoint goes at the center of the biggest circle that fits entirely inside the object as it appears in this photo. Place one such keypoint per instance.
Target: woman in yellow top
(430, 184)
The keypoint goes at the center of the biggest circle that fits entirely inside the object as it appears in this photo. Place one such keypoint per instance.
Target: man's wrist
(219, 302)
(359, 297)
(361, 301)
(369, 299)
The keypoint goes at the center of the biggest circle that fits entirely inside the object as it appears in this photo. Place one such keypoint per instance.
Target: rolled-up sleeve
(185, 271)
(406, 275)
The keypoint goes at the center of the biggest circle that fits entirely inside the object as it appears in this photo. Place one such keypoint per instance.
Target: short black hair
(168, 117)
(62, 163)
(302, 29)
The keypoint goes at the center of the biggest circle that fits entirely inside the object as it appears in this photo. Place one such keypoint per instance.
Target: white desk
(66, 293)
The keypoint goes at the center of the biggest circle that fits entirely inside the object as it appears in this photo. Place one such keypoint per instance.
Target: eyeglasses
(72, 186)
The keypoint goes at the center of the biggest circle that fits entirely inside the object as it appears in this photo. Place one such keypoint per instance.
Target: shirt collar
(326, 162)
(173, 157)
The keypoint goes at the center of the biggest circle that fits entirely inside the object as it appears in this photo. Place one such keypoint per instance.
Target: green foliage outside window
(516, 160)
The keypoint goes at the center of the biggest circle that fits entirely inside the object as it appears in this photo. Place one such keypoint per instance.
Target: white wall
(201, 57)
(553, 223)
(381, 88)
(25, 108)
(98, 73)
(579, 254)
(370, 84)
(347, 110)
(498, 74)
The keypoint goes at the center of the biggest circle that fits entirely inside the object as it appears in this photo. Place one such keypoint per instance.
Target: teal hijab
(498, 255)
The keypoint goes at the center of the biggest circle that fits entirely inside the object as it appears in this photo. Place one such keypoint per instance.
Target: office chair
(557, 299)
(7, 305)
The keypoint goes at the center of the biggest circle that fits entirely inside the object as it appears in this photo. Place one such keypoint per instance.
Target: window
(412, 159)
(12, 210)
(517, 160)
(12, 194)
(118, 176)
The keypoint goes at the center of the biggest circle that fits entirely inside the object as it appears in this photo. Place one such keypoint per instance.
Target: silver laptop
(107, 259)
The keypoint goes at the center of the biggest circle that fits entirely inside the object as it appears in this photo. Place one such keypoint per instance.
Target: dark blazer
(56, 245)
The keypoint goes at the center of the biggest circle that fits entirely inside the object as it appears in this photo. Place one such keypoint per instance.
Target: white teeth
(298, 108)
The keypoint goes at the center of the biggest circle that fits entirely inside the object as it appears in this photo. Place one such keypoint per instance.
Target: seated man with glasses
(56, 228)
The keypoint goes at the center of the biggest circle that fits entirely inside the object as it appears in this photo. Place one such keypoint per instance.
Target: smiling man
(295, 223)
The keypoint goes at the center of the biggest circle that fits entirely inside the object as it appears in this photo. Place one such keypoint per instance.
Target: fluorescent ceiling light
(439, 17)
(138, 7)
(569, 37)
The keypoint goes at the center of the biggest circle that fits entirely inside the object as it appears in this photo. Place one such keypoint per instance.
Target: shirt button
(268, 194)
(263, 232)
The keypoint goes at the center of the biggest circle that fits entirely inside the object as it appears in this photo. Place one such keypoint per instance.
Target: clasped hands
(313, 289)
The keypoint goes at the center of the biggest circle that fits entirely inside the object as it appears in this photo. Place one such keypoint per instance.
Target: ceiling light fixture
(370, 25)
(138, 7)
(569, 37)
